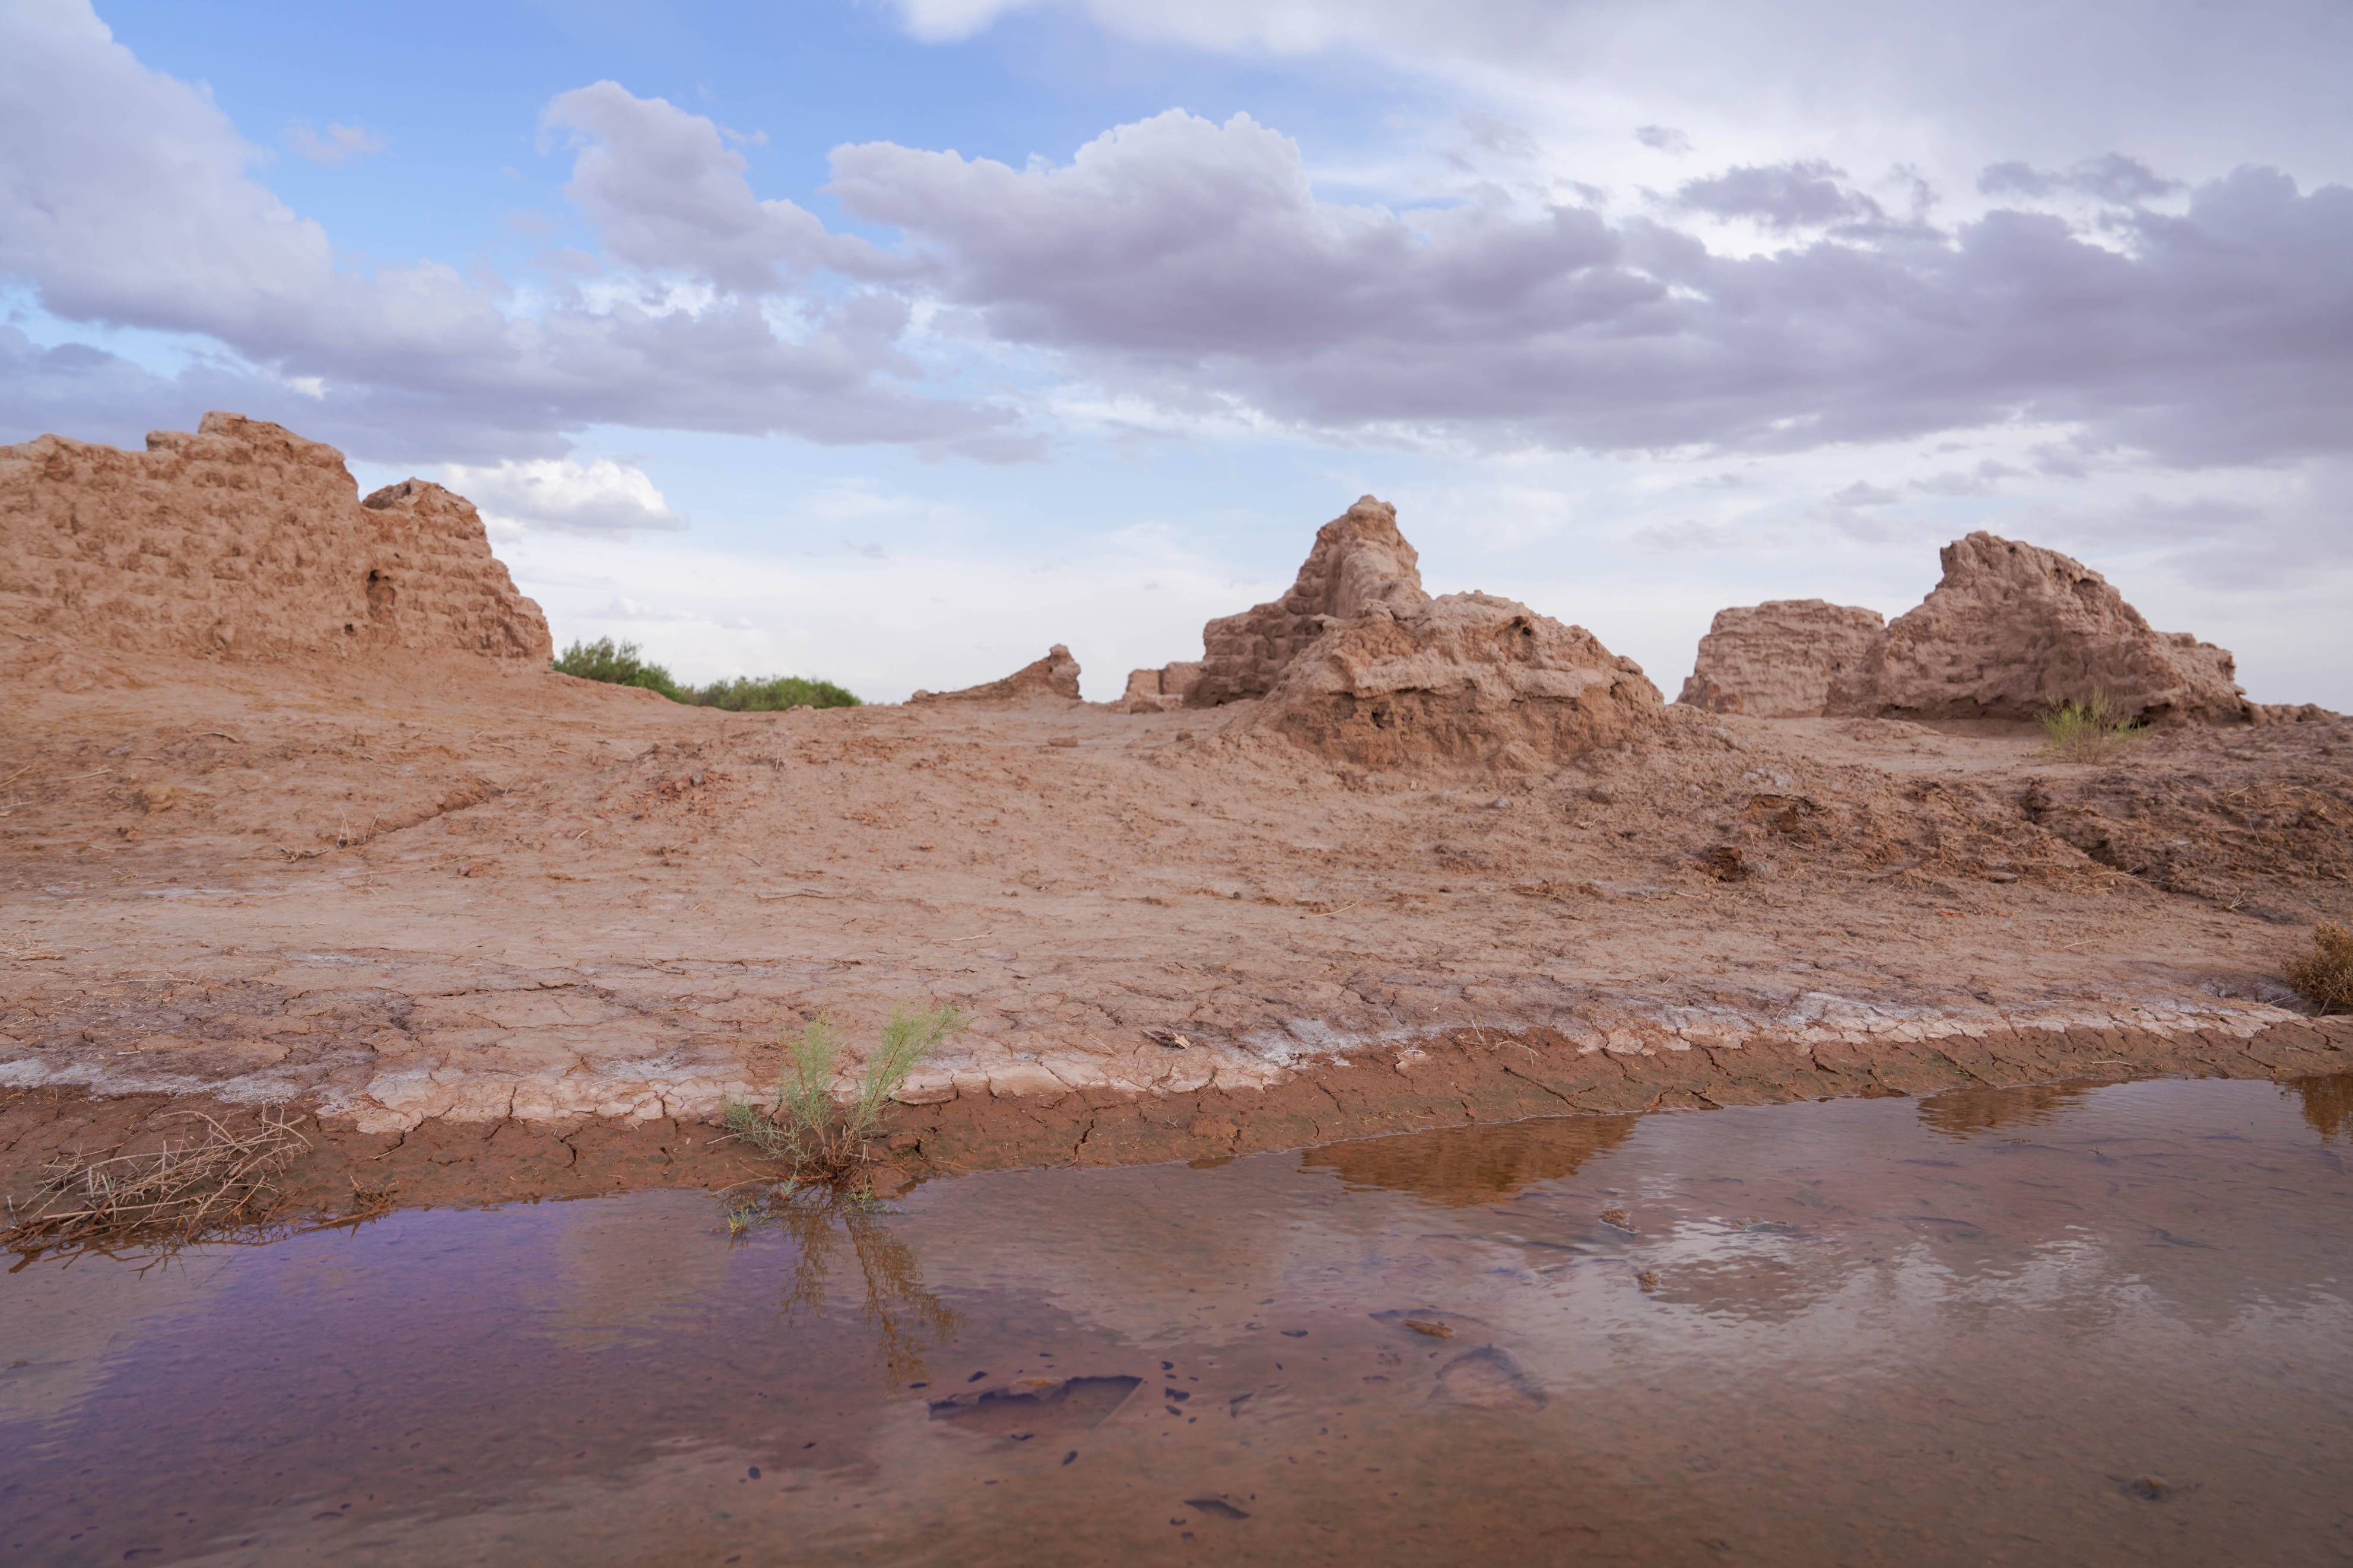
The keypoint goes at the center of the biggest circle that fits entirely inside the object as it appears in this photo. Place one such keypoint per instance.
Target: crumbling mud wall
(1159, 690)
(1359, 560)
(1779, 659)
(243, 539)
(2012, 630)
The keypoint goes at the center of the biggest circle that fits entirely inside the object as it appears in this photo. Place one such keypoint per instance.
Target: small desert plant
(824, 1138)
(2089, 731)
(218, 1183)
(2324, 975)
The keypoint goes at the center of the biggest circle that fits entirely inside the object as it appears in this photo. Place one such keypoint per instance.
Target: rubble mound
(244, 540)
(2012, 630)
(1359, 561)
(1462, 681)
(1779, 659)
(1056, 676)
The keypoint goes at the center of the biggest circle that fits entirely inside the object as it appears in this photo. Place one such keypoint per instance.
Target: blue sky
(892, 341)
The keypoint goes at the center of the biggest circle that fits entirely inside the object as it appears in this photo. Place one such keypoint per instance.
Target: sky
(890, 340)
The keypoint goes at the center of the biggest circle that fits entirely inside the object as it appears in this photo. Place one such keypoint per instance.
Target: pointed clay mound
(1054, 676)
(1463, 681)
(244, 540)
(2012, 630)
(1781, 659)
(1360, 560)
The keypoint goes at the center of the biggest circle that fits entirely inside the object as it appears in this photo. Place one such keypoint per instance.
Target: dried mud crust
(1461, 1078)
(433, 892)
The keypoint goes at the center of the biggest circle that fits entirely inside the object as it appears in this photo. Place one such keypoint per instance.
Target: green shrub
(822, 1138)
(617, 665)
(2089, 731)
(621, 664)
(745, 695)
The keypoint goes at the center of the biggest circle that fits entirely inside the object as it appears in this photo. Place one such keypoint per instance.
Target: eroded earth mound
(1359, 560)
(2013, 629)
(244, 540)
(1054, 676)
(1779, 659)
(1462, 680)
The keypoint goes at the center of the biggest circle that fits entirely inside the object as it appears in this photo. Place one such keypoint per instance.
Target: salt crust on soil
(426, 884)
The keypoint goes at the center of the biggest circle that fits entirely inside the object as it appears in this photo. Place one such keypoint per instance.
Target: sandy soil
(429, 892)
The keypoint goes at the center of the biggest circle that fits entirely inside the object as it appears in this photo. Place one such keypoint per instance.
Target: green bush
(745, 695)
(621, 664)
(803, 1124)
(617, 665)
(2089, 731)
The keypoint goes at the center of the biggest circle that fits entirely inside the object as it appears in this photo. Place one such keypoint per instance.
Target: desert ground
(477, 917)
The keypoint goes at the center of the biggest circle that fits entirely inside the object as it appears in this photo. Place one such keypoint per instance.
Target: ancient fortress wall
(245, 540)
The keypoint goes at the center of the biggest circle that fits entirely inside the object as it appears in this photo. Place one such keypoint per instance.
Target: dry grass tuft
(221, 1182)
(2323, 975)
(2088, 731)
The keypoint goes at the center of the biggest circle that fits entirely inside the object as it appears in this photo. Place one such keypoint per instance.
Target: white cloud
(600, 496)
(126, 198)
(339, 144)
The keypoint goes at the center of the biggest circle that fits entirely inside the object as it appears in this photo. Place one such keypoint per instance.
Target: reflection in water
(1960, 1112)
(2089, 1324)
(2328, 1104)
(900, 1314)
(1461, 1167)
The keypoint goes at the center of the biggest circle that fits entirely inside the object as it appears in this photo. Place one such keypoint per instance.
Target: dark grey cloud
(1193, 263)
(1781, 196)
(1663, 138)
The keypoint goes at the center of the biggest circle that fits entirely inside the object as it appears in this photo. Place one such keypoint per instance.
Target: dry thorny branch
(214, 1181)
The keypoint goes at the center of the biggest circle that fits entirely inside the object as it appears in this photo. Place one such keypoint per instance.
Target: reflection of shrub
(621, 664)
(2089, 731)
(824, 1138)
(2323, 975)
(905, 1317)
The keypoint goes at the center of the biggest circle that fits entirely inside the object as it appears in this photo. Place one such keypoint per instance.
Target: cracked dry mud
(449, 905)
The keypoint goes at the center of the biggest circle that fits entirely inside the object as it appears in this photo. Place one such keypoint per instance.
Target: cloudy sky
(889, 342)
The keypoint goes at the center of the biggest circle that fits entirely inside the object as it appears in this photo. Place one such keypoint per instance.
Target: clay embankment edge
(1457, 1078)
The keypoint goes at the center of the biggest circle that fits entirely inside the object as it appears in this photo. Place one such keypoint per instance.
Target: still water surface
(2062, 1325)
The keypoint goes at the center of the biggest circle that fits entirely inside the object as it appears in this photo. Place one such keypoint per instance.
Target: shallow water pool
(2058, 1325)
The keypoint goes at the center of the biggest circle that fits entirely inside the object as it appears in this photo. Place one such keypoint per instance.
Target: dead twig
(219, 1180)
